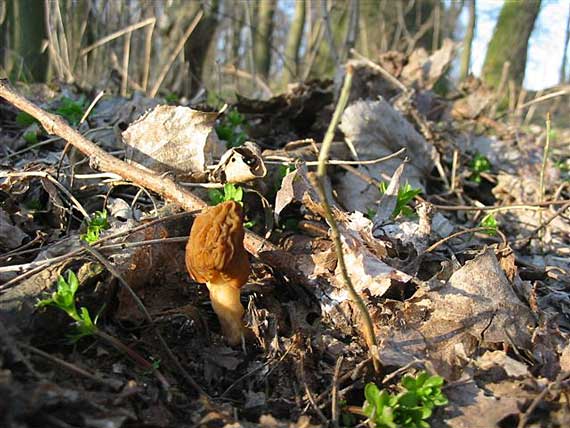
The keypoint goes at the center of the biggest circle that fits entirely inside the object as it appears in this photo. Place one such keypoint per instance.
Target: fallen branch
(103, 161)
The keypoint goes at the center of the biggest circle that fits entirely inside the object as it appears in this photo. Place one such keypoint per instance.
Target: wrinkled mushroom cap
(215, 252)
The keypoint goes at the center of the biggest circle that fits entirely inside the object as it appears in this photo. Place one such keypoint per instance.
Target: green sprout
(24, 119)
(490, 222)
(31, 137)
(71, 110)
(230, 192)
(479, 165)
(172, 98)
(406, 194)
(232, 129)
(96, 225)
(410, 408)
(64, 299)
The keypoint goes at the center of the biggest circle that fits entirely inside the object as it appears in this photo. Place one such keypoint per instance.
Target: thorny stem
(322, 174)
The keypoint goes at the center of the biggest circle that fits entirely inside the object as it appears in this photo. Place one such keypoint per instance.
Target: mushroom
(215, 255)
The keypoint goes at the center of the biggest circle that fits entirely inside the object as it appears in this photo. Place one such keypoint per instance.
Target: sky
(545, 46)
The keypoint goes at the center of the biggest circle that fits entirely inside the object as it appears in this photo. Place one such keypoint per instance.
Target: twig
(322, 175)
(282, 160)
(310, 396)
(112, 36)
(91, 106)
(543, 167)
(103, 161)
(531, 235)
(387, 75)
(61, 187)
(125, 65)
(463, 232)
(525, 416)
(334, 402)
(166, 68)
(114, 384)
(101, 259)
(530, 206)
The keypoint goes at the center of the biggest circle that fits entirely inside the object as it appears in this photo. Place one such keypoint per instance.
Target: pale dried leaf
(173, 139)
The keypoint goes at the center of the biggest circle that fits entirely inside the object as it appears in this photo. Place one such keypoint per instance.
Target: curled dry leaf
(173, 139)
(240, 165)
(425, 70)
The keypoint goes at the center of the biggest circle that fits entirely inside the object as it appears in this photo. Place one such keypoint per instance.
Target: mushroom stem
(227, 306)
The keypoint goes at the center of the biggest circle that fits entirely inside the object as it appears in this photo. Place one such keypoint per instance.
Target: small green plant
(24, 119)
(71, 110)
(31, 137)
(172, 98)
(96, 225)
(406, 194)
(491, 222)
(479, 165)
(408, 409)
(230, 192)
(232, 129)
(64, 299)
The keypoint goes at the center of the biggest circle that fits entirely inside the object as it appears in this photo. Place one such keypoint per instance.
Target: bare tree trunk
(263, 36)
(197, 46)
(510, 41)
(27, 31)
(468, 41)
(291, 68)
(563, 78)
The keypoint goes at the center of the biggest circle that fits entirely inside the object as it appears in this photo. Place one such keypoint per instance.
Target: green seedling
(71, 110)
(406, 194)
(24, 119)
(479, 165)
(64, 299)
(230, 192)
(172, 98)
(410, 408)
(232, 129)
(491, 222)
(96, 225)
(31, 137)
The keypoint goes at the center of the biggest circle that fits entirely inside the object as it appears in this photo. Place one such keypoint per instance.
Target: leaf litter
(491, 317)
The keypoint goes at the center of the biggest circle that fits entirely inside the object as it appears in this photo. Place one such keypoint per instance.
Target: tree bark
(27, 30)
(510, 41)
(291, 69)
(263, 36)
(197, 46)
(468, 41)
(563, 78)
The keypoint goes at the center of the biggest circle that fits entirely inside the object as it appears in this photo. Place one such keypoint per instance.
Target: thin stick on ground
(103, 161)
(542, 171)
(101, 259)
(322, 175)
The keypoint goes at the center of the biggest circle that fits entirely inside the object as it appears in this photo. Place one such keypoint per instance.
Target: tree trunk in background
(291, 68)
(197, 46)
(468, 41)
(263, 36)
(563, 78)
(26, 29)
(336, 12)
(510, 41)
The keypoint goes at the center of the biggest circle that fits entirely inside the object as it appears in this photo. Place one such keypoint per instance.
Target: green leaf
(24, 119)
(491, 222)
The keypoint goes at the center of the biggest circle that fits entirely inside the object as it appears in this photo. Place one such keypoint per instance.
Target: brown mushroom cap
(215, 255)
(215, 252)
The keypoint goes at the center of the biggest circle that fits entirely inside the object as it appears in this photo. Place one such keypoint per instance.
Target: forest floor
(461, 254)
